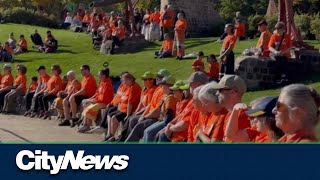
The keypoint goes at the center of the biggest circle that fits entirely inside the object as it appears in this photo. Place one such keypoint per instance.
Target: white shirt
(68, 19)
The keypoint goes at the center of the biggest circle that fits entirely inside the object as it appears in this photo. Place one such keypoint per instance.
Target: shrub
(315, 26)
(303, 23)
(252, 25)
(27, 16)
(272, 21)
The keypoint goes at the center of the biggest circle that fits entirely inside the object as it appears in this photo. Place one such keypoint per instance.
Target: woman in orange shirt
(54, 85)
(22, 46)
(263, 125)
(100, 100)
(297, 113)
(129, 102)
(179, 36)
(6, 84)
(19, 89)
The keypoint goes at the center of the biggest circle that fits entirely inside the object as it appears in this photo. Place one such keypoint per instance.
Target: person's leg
(230, 63)
(114, 125)
(46, 100)
(163, 137)
(151, 132)
(66, 109)
(6, 100)
(2, 98)
(222, 70)
(132, 122)
(35, 103)
(11, 105)
(137, 132)
(125, 127)
(165, 55)
(28, 98)
(73, 106)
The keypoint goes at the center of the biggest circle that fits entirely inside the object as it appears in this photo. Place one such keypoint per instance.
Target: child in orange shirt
(213, 72)
(198, 64)
(22, 46)
(166, 48)
(30, 93)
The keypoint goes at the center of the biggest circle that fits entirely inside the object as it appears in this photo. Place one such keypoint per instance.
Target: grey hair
(71, 73)
(305, 97)
(197, 90)
(208, 92)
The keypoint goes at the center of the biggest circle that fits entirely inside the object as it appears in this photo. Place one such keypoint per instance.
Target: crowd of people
(164, 109)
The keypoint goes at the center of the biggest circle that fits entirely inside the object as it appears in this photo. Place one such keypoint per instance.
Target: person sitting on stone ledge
(166, 48)
(118, 35)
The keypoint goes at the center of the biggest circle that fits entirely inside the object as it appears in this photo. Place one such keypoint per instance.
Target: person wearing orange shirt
(177, 129)
(18, 89)
(118, 35)
(198, 64)
(166, 48)
(88, 89)
(154, 27)
(6, 84)
(239, 29)
(262, 120)
(180, 36)
(78, 17)
(22, 46)
(230, 90)
(168, 20)
(195, 116)
(280, 46)
(42, 85)
(129, 102)
(161, 24)
(297, 113)
(166, 111)
(226, 54)
(146, 25)
(54, 85)
(213, 66)
(30, 93)
(182, 98)
(100, 100)
(264, 38)
(86, 19)
(61, 103)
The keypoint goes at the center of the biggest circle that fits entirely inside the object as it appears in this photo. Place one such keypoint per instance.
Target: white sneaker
(98, 130)
(83, 129)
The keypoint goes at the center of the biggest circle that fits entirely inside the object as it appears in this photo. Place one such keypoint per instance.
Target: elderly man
(177, 129)
(230, 90)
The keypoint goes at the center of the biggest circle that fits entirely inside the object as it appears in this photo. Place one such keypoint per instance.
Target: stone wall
(202, 18)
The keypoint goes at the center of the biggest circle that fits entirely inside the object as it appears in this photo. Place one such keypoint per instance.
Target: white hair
(71, 73)
(196, 91)
(208, 92)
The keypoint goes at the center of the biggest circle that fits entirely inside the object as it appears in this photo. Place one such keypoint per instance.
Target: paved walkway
(22, 129)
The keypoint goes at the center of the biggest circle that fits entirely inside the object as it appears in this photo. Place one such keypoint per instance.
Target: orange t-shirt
(243, 122)
(53, 82)
(78, 17)
(169, 102)
(23, 44)
(90, 85)
(21, 79)
(214, 126)
(214, 69)
(117, 98)
(130, 95)
(156, 100)
(255, 136)
(193, 125)
(196, 64)
(104, 92)
(184, 116)
(0, 77)
(146, 95)
(265, 35)
(170, 21)
(239, 30)
(181, 25)
(6, 81)
(229, 40)
(300, 136)
(43, 80)
(119, 32)
(167, 45)
(155, 17)
(181, 105)
(275, 41)
(33, 87)
(73, 86)
(87, 19)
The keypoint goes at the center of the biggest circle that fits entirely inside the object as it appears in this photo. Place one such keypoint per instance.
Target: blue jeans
(162, 55)
(150, 133)
(163, 138)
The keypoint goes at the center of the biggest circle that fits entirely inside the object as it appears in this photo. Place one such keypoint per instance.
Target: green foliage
(303, 23)
(272, 21)
(315, 26)
(28, 16)
(252, 25)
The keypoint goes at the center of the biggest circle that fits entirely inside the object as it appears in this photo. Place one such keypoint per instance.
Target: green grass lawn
(75, 49)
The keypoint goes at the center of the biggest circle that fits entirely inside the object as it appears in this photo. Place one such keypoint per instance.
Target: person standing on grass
(180, 35)
(88, 89)
(226, 54)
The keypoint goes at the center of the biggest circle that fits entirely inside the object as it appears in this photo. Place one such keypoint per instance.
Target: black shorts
(119, 115)
(79, 99)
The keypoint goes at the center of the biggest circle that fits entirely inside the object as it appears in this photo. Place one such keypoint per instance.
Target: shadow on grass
(195, 43)
(64, 51)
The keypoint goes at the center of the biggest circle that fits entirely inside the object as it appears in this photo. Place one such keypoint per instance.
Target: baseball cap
(234, 82)
(163, 73)
(263, 107)
(198, 77)
(178, 85)
(263, 22)
(170, 80)
(197, 63)
(148, 75)
(6, 66)
(41, 68)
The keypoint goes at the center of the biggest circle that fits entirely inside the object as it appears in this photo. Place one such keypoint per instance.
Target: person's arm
(226, 52)
(232, 131)
(179, 126)
(80, 92)
(154, 114)
(129, 109)
(169, 116)
(202, 136)
(55, 90)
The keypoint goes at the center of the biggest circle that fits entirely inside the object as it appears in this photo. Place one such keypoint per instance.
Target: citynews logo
(40, 160)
